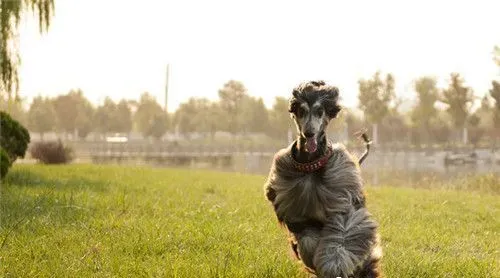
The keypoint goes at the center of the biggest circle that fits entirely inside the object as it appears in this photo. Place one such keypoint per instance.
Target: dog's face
(312, 106)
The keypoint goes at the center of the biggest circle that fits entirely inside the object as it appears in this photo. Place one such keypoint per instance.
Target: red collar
(314, 165)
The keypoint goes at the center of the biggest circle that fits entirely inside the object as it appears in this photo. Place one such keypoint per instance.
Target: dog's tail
(368, 142)
(347, 241)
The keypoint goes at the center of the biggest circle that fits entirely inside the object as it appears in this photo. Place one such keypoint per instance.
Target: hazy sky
(120, 48)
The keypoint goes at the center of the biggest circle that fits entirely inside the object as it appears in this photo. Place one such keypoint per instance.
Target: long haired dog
(315, 188)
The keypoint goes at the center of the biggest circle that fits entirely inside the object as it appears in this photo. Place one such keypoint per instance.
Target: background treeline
(439, 116)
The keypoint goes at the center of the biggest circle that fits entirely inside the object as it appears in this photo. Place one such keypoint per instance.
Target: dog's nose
(308, 134)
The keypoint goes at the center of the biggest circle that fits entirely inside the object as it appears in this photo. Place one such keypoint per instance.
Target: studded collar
(315, 165)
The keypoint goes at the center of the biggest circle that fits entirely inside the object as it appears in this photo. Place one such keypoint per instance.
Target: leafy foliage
(253, 115)
(475, 132)
(428, 95)
(279, 119)
(424, 112)
(459, 100)
(74, 113)
(198, 115)
(393, 127)
(440, 130)
(4, 163)
(11, 12)
(231, 98)
(53, 152)
(375, 97)
(123, 116)
(41, 115)
(112, 117)
(495, 94)
(15, 108)
(14, 137)
(104, 116)
(150, 118)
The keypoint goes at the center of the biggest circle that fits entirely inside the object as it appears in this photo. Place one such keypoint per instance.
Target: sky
(120, 48)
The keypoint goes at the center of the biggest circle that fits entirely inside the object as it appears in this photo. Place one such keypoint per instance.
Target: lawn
(112, 221)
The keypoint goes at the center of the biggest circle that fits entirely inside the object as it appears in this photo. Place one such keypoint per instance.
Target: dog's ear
(293, 102)
(332, 107)
(333, 111)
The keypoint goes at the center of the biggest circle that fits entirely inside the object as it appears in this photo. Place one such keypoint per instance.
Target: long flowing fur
(339, 238)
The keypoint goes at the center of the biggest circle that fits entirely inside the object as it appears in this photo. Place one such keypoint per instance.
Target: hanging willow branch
(11, 12)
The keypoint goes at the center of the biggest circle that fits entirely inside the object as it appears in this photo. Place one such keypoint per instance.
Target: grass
(111, 221)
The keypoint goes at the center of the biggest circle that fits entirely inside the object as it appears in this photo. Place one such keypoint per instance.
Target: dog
(316, 190)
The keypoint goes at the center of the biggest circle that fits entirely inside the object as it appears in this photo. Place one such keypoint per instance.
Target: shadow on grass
(31, 201)
(28, 178)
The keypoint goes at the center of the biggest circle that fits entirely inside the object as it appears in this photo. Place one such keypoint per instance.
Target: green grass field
(111, 221)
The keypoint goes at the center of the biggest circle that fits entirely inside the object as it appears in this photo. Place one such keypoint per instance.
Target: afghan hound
(316, 190)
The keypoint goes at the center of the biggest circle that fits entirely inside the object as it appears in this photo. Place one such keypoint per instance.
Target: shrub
(53, 152)
(14, 137)
(4, 163)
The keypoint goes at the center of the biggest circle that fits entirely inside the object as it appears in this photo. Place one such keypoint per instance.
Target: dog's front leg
(307, 243)
(345, 243)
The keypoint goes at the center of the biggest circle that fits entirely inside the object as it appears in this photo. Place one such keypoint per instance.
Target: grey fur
(339, 237)
(349, 234)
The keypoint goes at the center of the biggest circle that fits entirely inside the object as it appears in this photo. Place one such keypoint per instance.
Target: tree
(14, 138)
(495, 94)
(11, 12)
(485, 112)
(459, 100)
(215, 117)
(279, 119)
(15, 108)
(74, 113)
(123, 117)
(485, 103)
(354, 122)
(41, 116)
(440, 129)
(424, 111)
(428, 94)
(231, 97)
(150, 119)
(183, 117)
(393, 127)
(104, 116)
(84, 123)
(198, 115)
(158, 126)
(112, 117)
(253, 115)
(375, 98)
(475, 132)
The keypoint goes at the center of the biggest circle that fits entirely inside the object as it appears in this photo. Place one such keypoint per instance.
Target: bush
(53, 152)
(14, 137)
(4, 163)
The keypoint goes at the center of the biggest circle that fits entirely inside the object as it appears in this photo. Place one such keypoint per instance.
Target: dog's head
(312, 105)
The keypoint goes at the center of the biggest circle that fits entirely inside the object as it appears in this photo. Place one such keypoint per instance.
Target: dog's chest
(302, 200)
